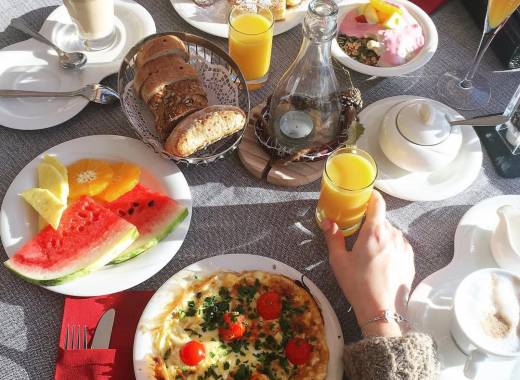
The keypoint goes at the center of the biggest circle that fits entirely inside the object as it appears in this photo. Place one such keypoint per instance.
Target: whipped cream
(394, 46)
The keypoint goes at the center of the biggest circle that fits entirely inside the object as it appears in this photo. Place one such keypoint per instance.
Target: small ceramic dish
(416, 136)
(431, 40)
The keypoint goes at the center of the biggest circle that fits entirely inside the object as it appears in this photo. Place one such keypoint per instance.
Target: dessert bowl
(417, 136)
(420, 59)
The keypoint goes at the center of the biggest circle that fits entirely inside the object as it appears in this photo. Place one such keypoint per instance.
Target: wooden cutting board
(259, 163)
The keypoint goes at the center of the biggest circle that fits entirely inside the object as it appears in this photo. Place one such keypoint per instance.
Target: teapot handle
(473, 363)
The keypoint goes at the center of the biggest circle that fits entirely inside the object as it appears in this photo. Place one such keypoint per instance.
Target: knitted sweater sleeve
(410, 357)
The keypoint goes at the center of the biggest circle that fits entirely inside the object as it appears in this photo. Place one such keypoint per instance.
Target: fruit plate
(234, 263)
(431, 40)
(18, 221)
(214, 19)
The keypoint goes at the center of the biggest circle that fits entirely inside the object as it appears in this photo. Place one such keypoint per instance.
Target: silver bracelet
(386, 316)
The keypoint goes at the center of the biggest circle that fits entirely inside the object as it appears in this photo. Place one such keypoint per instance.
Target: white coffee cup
(486, 312)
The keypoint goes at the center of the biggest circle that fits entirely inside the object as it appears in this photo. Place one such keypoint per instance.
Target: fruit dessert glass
(380, 33)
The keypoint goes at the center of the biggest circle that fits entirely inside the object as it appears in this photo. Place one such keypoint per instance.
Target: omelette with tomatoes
(241, 326)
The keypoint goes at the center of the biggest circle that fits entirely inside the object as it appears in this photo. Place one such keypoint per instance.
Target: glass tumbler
(94, 20)
(250, 41)
(346, 186)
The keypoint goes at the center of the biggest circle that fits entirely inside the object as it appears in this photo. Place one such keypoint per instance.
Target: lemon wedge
(53, 161)
(51, 179)
(46, 204)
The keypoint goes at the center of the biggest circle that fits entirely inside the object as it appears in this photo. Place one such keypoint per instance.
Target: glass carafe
(305, 107)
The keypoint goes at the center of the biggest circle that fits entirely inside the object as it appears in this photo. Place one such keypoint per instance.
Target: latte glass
(94, 20)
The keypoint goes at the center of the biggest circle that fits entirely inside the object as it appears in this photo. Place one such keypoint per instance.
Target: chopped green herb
(242, 373)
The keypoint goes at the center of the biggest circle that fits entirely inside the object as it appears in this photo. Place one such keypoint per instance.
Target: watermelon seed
(151, 203)
(121, 213)
(130, 211)
(135, 204)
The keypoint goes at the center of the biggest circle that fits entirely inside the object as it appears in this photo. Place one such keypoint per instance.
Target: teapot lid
(422, 123)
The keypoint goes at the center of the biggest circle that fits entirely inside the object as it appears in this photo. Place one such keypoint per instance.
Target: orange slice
(88, 177)
(126, 176)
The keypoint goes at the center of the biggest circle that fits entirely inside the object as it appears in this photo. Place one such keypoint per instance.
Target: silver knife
(104, 330)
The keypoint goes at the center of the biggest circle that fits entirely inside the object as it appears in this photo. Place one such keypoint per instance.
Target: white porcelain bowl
(418, 145)
(431, 40)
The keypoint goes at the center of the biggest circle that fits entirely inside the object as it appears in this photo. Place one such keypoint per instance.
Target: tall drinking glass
(346, 187)
(94, 20)
(466, 89)
(250, 41)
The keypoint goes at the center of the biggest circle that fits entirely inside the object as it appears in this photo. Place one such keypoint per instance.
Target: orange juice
(499, 10)
(250, 43)
(346, 188)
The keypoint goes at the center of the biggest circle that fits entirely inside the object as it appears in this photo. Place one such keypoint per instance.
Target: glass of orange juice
(346, 187)
(250, 41)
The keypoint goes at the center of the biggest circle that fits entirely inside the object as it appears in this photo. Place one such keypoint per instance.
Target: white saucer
(214, 19)
(18, 221)
(31, 65)
(431, 40)
(434, 186)
(236, 263)
(429, 308)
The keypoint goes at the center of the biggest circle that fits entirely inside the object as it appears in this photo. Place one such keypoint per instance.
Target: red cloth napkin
(101, 364)
(429, 5)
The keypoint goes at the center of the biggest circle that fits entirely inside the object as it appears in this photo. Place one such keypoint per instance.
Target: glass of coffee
(94, 20)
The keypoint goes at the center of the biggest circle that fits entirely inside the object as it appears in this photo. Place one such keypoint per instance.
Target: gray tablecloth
(233, 212)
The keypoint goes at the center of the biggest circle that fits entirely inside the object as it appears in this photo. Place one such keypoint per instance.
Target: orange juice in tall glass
(346, 187)
(250, 42)
(499, 10)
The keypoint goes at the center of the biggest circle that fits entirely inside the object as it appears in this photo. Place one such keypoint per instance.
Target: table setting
(167, 166)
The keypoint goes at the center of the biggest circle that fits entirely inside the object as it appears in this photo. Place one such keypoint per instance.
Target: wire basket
(221, 78)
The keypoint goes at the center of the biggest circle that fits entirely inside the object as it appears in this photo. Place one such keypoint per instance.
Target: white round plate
(31, 65)
(235, 263)
(433, 186)
(431, 40)
(214, 19)
(18, 221)
(429, 308)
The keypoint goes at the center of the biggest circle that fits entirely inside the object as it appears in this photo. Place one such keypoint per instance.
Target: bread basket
(221, 78)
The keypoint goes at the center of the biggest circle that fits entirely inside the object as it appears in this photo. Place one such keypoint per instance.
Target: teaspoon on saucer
(96, 93)
(482, 121)
(73, 60)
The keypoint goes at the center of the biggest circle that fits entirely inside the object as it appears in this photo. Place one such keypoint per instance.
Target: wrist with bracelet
(386, 317)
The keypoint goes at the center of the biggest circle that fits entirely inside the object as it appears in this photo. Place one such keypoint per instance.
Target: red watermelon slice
(89, 236)
(154, 214)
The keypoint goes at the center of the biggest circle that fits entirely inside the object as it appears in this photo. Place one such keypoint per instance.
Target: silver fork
(96, 93)
(75, 337)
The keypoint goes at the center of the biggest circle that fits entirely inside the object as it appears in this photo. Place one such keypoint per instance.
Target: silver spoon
(73, 60)
(96, 93)
(481, 121)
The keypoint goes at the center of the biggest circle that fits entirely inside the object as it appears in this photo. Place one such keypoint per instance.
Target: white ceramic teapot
(417, 136)
(505, 241)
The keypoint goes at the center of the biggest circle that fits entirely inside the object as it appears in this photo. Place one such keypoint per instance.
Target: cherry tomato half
(234, 329)
(269, 305)
(298, 351)
(192, 353)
